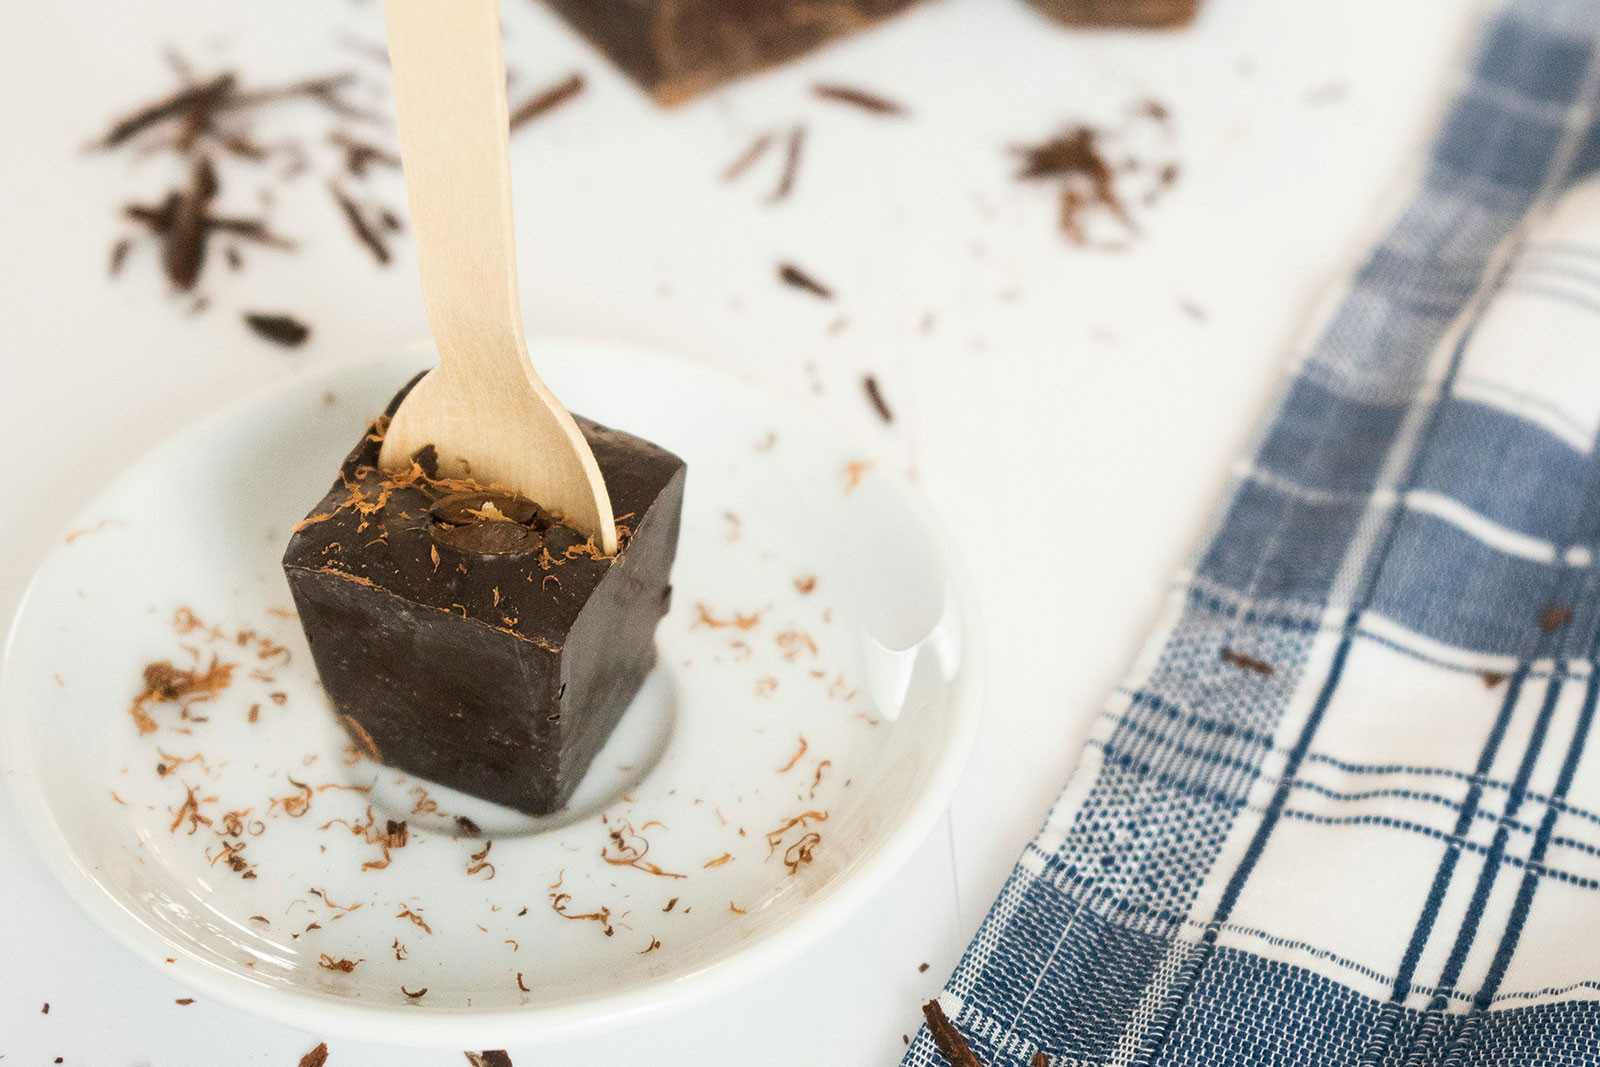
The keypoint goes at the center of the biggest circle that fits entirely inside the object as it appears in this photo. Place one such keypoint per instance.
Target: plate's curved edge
(833, 905)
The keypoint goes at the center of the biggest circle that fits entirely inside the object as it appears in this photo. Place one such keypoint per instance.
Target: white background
(1064, 412)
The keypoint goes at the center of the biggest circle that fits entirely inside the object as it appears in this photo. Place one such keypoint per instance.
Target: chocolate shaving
(492, 1058)
(359, 155)
(119, 255)
(316, 1057)
(875, 396)
(328, 963)
(673, 903)
(520, 985)
(364, 231)
(417, 995)
(1246, 663)
(480, 861)
(844, 94)
(546, 100)
(789, 274)
(792, 148)
(749, 157)
(948, 1038)
(184, 1001)
(799, 853)
(285, 330)
(468, 827)
(801, 751)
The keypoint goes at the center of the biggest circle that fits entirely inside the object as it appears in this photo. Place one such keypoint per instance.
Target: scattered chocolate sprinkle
(1554, 617)
(417, 995)
(359, 155)
(875, 395)
(520, 984)
(546, 100)
(480, 861)
(416, 919)
(364, 231)
(844, 94)
(947, 1037)
(817, 778)
(328, 963)
(316, 1057)
(671, 904)
(749, 157)
(285, 330)
(799, 854)
(718, 862)
(801, 751)
(1492, 679)
(792, 149)
(184, 1001)
(790, 274)
(1246, 663)
(119, 255)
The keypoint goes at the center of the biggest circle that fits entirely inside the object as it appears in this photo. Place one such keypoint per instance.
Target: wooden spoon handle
(450, 92)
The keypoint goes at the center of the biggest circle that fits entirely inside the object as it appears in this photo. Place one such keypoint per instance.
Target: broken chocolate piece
(676, 49)
(487, 655)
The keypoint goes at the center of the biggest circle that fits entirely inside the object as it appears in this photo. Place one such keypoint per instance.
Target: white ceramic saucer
(815, 700)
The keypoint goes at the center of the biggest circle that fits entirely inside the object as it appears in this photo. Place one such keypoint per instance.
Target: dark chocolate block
(466, 636)
(1138, 14)
(676, 49)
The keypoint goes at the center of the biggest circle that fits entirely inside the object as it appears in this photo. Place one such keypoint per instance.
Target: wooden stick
(484, 409)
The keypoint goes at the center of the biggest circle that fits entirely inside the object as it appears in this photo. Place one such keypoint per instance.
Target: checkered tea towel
(1347, 808)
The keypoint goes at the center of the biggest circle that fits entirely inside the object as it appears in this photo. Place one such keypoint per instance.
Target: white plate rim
(534, 1024)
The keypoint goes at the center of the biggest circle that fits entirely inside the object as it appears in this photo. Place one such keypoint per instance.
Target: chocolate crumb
(284, 330)
(790, 274)
(671, 904)
(922, 968)
(46, 1009)
(184, 1001)
(948, 1038)
(1040, 1059)
(872, 102)
(1554, 617)
(1246, 663)
(1492, 679)
(806, 583)
(316, 1057)
(791, 165)
(467, 826)
(491, 1058)
(546, 100)
(875, 395)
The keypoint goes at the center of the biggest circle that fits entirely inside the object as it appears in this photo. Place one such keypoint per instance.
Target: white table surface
(1066, 386)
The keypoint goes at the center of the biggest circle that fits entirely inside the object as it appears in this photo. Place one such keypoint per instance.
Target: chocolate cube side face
(498, 672)
(676, 49)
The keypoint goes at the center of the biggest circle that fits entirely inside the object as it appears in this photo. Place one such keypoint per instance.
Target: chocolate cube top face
(676, 49)
(467, 636)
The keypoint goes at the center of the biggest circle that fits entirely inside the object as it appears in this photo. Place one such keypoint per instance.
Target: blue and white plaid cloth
(1347, 808)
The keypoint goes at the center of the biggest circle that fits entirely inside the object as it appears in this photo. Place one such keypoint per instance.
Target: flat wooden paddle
(483, 409)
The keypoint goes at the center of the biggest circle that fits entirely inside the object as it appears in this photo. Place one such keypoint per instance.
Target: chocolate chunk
(502, 674)
(676, 49)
